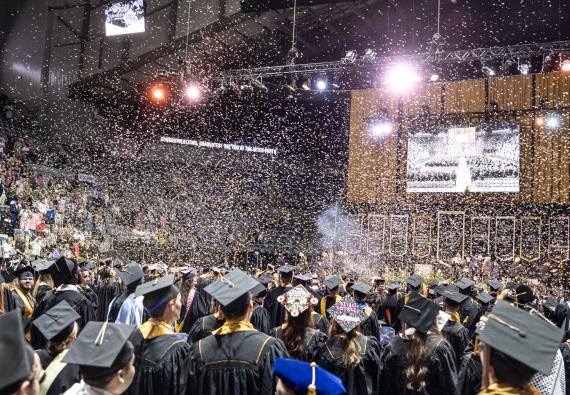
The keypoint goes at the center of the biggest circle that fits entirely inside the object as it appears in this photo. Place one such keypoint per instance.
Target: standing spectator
(15, 213)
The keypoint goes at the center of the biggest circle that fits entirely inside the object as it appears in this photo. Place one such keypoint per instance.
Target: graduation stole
(29, 302)
(233, 327)
(323, 306)
(154, 328)
(455, 317)
(502, 389)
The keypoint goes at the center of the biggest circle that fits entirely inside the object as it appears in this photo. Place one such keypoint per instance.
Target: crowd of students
(112, 327)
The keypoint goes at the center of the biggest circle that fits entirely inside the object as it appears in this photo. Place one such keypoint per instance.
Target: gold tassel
(476, 346)
(312, 390)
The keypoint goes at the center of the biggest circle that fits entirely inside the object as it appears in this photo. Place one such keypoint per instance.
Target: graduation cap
(347, 314)
(464, 284)
(550, 305)
(527, 339)
(264, 279)
(419, 312)
(62, 271)
(87, 265)
(297, 300)
(132, 273)
(524, 295)
(57, 323)
(41, 266)
(302, 278)
(188, 272)
(231, 287)
(414, 281)
(352, 275)
(101, 349)
(453, 298)
(286, 269)
(485, 298)
(24, 267)
(308, 378)
(440, 289)
(332, 282)
(392, 288)
(8, 274)
(157, 292)
(495, 285)
(361, 288)
(17, 359)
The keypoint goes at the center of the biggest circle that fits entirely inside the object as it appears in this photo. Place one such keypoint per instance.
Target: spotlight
(246, 86)
(565, 62)
(192, 91)
(322, 84)
(306, 84)
(292, 83)
(507, 64)
(434, 77)
(401, 78)
(539, 122)
(524, 66)
(552, 122)
(369, 55)
(381, 128)
(350, 57)
(158, 93)
(488, 70)
(547, 62)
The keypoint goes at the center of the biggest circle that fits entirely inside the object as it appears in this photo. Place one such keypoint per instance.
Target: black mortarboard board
(24, 266)
(157, 292)
(332, 282)
(57, 321)
(347, 314)
(352, 275)
(8, 275)
(259, 288)
(495, 285)
(419, 312)
(527, 339)
(414, 281)
(511, 285)
(132, 273)
(188, 272)
(62, 271)
(101, 349)
(286, 269)
(264, 279)
(231, 287)
(485, 298)
(15, 363)
(393, 287)
(41, 266)
(440, 289)
(550, 305)
(362, 288)
(87, 265)
(464, 284)
(524, 294)
(302, 278)
(453, 298)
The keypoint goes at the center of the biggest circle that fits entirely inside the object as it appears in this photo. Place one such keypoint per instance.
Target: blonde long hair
(44, 278)
(351, 347)
(418, 359)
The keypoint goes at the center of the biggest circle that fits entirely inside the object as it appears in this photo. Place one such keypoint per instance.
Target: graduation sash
(53, 370)
(323, 306)
(153, 328)
(233, 327)
(29, 302)
(502, 389)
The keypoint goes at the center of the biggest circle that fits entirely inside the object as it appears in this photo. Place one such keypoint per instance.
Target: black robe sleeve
(370, 326)
(65, 380)
(443, 371)
(198, 309)
(105, 295)
(458, 337)
(469, 375)
(275, 310)
(260, 319)
(320, 322)
(9, 302)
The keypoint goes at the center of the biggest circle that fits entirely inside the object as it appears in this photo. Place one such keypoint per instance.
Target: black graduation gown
(42, 291)
(470, 374)
(320, 323)
(106, 292)
(388, 310)
(197, 310)
(370, 326)
(26, 321)
(68, 376)
(275, 309)
(361, 379)
(330, 301)
(204, 327)
(92, 296)
(441, 378)
(161, 367)
(260, 319)
(9, 302)
(239, 363)
(116, 305)
(469, 313)
(313, 341)
(201, 283)
(458, 336)
(79, 303)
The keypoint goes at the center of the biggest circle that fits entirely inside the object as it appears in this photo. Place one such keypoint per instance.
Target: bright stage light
(434, 78)
(539, 121)
(524, 67)
(381, 128)
(401, 78)
(192, 92)
(552, 122)
(565, 66)
(488, 70)
(158, 93)
(322, 84)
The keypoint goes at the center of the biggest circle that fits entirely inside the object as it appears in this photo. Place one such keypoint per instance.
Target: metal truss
(462, 56)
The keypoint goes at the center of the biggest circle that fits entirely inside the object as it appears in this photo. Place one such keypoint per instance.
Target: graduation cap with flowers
(297, 300)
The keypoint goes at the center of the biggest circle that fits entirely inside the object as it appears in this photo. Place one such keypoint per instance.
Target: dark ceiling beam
(68, 26)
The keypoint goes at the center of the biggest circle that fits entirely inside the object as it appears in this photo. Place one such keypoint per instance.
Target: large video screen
(124, 17)
(484, 158)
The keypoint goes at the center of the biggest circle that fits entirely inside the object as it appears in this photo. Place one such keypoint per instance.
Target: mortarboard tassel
(312, 390)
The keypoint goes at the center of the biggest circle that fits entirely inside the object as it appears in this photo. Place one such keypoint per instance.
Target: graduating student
(236, 359)
(163, 358)
(20, 368)
(127, 308)
(419, 361)
(388, 308)
(64, 273)
(104, 355)
(354, 358)
(87, 284)
(516, 346)
(260, 315)
(332, 285)
(296, 377)
(301, 339)
(370, 326)
(275, 309)
(194, 306)
(469, 310)
(44, 283)
(23, 293)
(206, 325)
(453, 331)
(58, 325)
(107, 291)
(7, 302)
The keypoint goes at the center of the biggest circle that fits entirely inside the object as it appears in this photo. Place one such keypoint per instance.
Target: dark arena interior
(284, 197)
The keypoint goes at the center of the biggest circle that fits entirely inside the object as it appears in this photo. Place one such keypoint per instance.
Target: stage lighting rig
(159, 93)
(401, 78)
(524, 66)
(321, 84)
(565, 62)
(488, 70)
(369, 55)
(349, 58)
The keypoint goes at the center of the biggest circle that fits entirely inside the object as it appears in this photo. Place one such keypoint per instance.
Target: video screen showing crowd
(114, 326)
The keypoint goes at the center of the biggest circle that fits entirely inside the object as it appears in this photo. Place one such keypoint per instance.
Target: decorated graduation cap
(297, 300)
(231, 287)
(361, 288)
(332, 282)
(24, 269)
(414, 281)
(419, 312)
(57, 323)
(347, 314)
(132, 274)
(157, 292)
(16, 363)
(62, 271)
(307, 377)
(101, 349)
(453, 298)
(485, 298)
(286, 269)
(495, 285)
(527, 339)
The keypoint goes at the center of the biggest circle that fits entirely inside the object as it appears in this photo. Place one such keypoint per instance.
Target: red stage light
(539, 122)
(158, 93)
